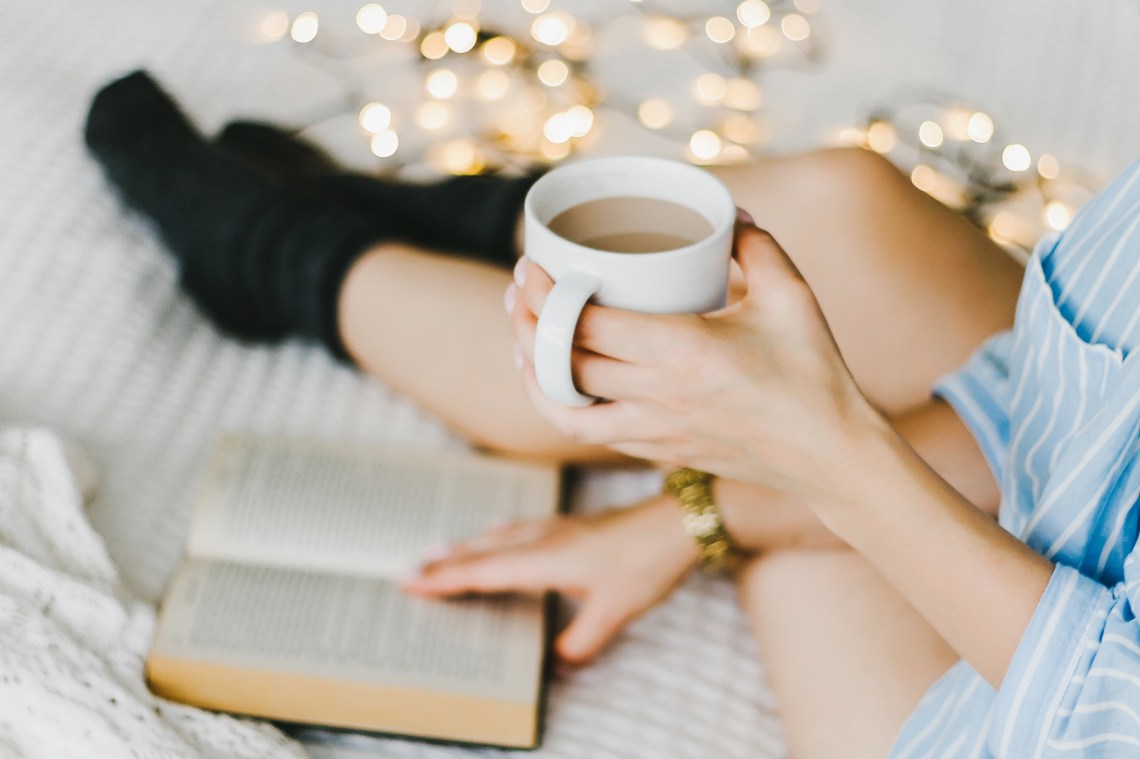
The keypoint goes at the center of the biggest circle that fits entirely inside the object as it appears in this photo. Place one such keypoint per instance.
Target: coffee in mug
(582, 223)
(631, 225)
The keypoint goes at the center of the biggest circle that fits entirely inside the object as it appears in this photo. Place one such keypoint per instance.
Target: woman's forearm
(975, 583)
(760, 518)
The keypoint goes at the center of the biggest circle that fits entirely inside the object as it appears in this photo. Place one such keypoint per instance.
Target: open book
(288, 606)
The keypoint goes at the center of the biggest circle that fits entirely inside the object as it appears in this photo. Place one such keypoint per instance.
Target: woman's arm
(759, 392)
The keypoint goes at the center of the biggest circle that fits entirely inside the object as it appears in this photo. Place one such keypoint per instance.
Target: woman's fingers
(593, 373)
(508, 570)
(620, 334)
(762, 261)
(600, 424)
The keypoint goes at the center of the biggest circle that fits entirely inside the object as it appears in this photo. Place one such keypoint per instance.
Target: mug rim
(586, 166)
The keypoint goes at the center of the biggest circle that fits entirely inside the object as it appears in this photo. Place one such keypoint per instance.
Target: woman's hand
(619, 563)
(757, 391)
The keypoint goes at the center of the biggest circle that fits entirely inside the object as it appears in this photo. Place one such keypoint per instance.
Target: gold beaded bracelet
(702, 520)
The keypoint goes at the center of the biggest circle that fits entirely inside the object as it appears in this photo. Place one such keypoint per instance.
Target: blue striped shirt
(1055, 405)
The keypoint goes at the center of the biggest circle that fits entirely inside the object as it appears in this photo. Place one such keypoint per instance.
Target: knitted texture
(73, 641)
(97, 341)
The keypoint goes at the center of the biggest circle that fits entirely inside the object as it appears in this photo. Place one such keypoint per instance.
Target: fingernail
(518, 356)
(437, 552)
(520, 272)
(744, 217)
(510, 298)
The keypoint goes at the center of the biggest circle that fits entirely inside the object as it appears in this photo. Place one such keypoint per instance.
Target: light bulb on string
(441, 83)
(557, 128)
(956, 124)
(371, 18)
(795, 27)
(705, 145)
(807, 6)
(434, 46)
(881, 137)
(274, 25)
(980, 127)
(535, 6)
(375, 117)
(655, 113)
(394, 28)
(305, 27)
(411, 30)
(384, 144)
(664, 33)
(553, 72)
(551, 28)
(710, 88)
(753, 13)
(1048, 166)
(461, 156)
(930, 134)
(760, 42)
(1016, 157)
(720, 29)
(923, 177)
(460, 36)
(579, 120)
(1057, 215)
(499, 51)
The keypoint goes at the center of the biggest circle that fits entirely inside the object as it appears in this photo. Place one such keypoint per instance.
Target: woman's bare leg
(434, 328)
(846, 655)
(909, 288)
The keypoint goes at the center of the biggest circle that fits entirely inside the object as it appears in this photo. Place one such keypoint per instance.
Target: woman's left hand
(757, 391)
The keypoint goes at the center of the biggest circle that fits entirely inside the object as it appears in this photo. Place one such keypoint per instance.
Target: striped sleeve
(980, 392)
(1073, 686)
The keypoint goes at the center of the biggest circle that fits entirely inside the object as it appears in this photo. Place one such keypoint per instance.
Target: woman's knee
(843, 176)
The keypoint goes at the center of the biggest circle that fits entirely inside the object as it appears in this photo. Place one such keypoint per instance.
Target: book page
(366, 510)
(345, 628)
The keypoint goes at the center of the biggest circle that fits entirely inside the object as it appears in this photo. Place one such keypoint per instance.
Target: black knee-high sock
(263, 260)
(475, 215)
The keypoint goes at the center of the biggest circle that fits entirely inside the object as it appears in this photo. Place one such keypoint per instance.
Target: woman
(865, 508)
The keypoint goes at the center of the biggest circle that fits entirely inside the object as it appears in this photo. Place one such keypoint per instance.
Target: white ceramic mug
(689, 279)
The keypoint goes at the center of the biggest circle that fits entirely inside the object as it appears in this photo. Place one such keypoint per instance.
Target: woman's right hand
(618, 563)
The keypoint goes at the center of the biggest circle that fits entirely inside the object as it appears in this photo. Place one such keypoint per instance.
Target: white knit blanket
(97, 343)
(73, 640)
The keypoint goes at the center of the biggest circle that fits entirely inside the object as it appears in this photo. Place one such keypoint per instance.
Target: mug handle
(554, 339)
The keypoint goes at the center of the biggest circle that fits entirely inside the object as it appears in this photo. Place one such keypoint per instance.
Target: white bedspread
(97, 343)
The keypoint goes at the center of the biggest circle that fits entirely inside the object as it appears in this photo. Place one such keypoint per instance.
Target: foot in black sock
(476, 215)
(263, 260)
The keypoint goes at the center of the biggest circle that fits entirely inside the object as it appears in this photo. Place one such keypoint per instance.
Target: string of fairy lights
(520, 95)
(955, 153)
(530, 99)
